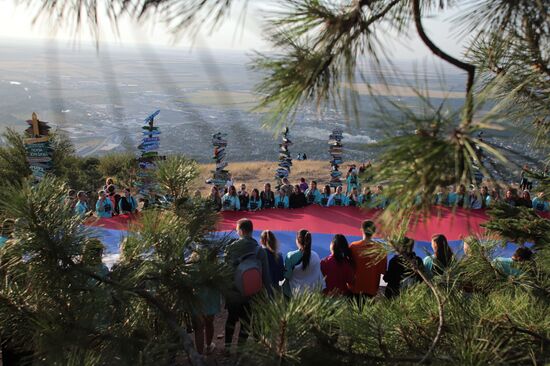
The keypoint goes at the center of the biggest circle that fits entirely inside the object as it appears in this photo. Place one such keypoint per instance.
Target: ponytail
(304, 238)
(268, 239)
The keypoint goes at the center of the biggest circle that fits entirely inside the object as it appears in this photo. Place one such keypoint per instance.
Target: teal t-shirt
(3, 241)
(506, 266)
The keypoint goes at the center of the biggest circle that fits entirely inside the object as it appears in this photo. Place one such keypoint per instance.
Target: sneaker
(210, 348)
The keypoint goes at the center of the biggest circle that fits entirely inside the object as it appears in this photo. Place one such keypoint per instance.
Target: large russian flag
(323, 223)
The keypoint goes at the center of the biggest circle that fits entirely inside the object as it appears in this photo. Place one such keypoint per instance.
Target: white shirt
(309, 279)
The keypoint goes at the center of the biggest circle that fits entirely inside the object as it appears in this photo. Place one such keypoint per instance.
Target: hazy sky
(16, 23)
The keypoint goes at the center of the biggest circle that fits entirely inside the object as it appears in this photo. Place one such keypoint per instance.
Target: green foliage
(122, 167)
(175, 175)
(13, 159)
(59, 303)
(518, 224)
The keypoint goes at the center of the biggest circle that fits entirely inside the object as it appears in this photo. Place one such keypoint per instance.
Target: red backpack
(248, 274)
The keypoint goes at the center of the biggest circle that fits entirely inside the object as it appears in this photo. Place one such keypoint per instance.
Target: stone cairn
(221, 175)
(285, 161)
(149, 147)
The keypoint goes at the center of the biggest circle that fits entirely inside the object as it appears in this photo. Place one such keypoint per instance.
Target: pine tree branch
(469, 68)
(527, 331)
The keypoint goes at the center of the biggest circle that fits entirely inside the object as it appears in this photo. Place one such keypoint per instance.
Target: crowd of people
(352, 270)
(304, 194)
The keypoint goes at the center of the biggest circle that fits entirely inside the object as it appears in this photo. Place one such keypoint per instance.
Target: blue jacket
(81, 208)
(284, 203)
(104, 209)
(541, 205)
(323, 201)
(352, 182)
(313, 196)
(230, 203)
(254, 205)
(131, 200)
(338, 200)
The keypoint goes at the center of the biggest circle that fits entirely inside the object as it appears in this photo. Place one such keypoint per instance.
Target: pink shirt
(338, 275)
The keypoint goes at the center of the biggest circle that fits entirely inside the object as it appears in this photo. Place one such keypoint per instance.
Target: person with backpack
(254, 201)
(400, 272)
(103, 206)
(337, 268)
(302, 267)
(267, 196)
(313, 196)
(127, 204)
(436, 263)
(230, 200)
(274, 257)
(250, 276)
(281, 200)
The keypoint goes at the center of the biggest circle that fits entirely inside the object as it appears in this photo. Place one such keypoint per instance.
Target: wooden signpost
(37, 146)
(149, 147)
(335, 150)
(285, 161)
(220, 174)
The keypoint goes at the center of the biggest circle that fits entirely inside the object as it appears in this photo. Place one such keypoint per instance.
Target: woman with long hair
(337, 268)
(230, 200)
(436, 263)
(302, 266)
(216, 198)
(325, 196)
(274, 257)
(254, 201)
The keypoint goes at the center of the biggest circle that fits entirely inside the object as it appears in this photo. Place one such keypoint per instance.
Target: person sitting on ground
(312, 194)
(230, 200)
(287, 187)
(81, 207)
(6, 231)
(400, 273)
(254, 201)
(267, 196)
(485, 197)
(215, 198)
(441, 197)
(274, 258)
(352, 181)
(71, 199)
(103, 206)
(442, 258)
(512, 266)
(302, 267)
(459, 198)
(540, 204)
(338, 198)
(525, 200)
(243, 197)
(282, 200)
(127, 204)
(114, 197)
(303, 184)
(353, 198)
(365, 197)
(370, 260)
(297, 199)
(474, 198)
(108, 182)
(325, 196)
(378, 200)
(337, 268)
(511, 197)
(495, 195)
(237, 303)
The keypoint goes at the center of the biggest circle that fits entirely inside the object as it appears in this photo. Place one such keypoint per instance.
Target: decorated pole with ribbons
(285, 161)
(220, 174)
(335, 150)
(37, 147)
(149, 147)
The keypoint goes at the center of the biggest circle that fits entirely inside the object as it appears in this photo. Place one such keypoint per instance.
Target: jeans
(237, 312)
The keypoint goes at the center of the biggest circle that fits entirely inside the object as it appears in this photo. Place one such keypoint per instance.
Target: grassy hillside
(255, 173)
